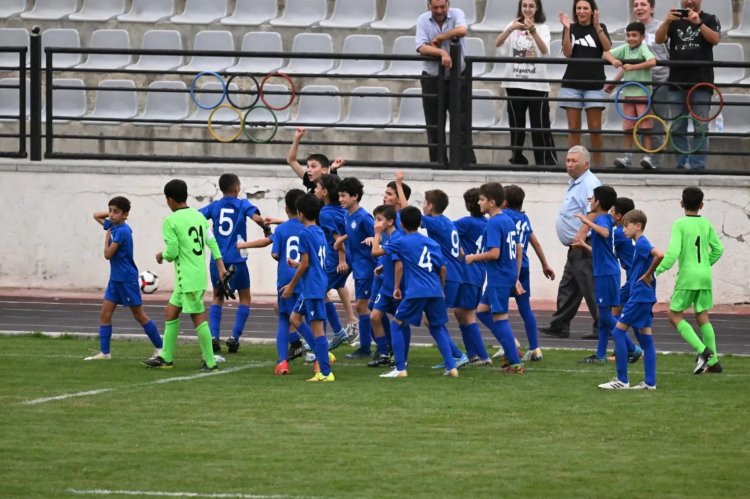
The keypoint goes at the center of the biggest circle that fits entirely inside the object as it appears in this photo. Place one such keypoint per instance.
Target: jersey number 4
(425, 260)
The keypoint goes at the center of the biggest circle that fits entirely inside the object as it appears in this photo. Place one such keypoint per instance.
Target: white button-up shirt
(576, 201)
(428, 29)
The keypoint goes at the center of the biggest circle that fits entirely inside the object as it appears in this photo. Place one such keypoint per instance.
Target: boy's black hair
(120, 202)
(438, 199)
(388, 212)
(514, 196)
(471, 201)
(407, 189)
(320, 158)
(606, 195)
(692, 197)
(411, 218)
(353, 187)
(177, 190)
(228, 181)
(635, 217)
(309, 206)
(290, 200)
(493, 191)
(331, 184)
(623, 206)
(636, 26)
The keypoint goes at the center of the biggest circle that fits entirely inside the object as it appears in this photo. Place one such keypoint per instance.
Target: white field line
(155, 493)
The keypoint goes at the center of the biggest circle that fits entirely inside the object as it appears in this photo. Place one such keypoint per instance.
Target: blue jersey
(286, 245)
(624, 249)
(314, 282)
(501, 234)
(228, 215)
(422, 259)
(441, 230)
(332, 220)
(523, 231)
(471, 234)
(603, 248)
(386, 261)
(640, 292)
(121, 266)
(359, 226)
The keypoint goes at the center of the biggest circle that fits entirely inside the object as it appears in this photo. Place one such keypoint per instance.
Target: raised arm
(100, 216)
(402, 201)
(291, 157)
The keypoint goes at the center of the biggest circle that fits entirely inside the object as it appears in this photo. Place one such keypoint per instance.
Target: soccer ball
(148, 281)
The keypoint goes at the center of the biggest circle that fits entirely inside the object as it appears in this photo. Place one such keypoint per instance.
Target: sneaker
(615, 384)
(282, 368)
(296, 349)
(714, 369)
(204, 367)
(462, 361)
(451, 373)
(99, 356)
(318, 377)
(500, 353)
(516, 369)
(232, 345)
(635, 355)
(593, 359)
(157, 362)
(352, 333)
(533, 355)
(476, 361)
(216, 344)
(358, 355)
(623, 163)
(338, 339)
(504, 362)
(218, 358)
(643, 386)
(381, 359)
(331, 360)
(394, 373)
(647, 164)
(702, 361)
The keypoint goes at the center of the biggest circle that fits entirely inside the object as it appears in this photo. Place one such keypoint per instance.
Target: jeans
(700, 103)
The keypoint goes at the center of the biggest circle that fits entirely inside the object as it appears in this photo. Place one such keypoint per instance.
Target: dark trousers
(430, 85)
(518, 104)
(577, 283)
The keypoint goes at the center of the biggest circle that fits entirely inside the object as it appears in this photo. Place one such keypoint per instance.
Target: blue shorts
(240, 279)
(607, 290)
(411, 309)
(625, 293)
(377, 283)
(286, 305)
(497, 299)
(362, 288)
(637, 314)
(126, 293)
(586, 99)
(452, 289)
(385, 302)
(312, 309)
(469, 297)
(336, 280)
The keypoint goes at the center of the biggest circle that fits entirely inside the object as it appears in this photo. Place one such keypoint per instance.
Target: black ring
(257, 91)
(654, 104)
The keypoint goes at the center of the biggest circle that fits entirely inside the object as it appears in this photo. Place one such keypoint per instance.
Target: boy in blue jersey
(637, 312)
(316, 164)
(502, 256)
(419, 266)
(284, 244)
(228, 215)
(122, 288)
(312, 278)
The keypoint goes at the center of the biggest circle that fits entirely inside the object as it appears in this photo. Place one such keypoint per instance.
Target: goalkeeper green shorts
(190, 302)
(683, 299)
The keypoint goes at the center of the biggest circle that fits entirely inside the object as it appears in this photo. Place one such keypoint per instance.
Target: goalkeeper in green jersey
(186, 234)
(696, 246)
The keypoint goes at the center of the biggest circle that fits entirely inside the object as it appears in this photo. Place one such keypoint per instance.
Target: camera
(683, 13)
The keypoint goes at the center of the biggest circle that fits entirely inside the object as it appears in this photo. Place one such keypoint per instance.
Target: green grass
(550, 433)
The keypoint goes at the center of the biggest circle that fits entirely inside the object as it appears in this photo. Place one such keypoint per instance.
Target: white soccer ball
(148, 281)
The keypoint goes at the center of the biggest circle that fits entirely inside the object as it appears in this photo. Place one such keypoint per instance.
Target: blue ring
(223, 89)
(617, 100)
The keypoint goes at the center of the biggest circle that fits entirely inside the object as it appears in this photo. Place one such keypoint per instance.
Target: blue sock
(606, 325)
(307, 334)
(365, 333)
(386, 328)
(649, 357)
(504, 334)
(321, 354)
(471, 350)
(333, 317)
(293, 336)
(621, 353)
(443, 341)
(398, 342)
(629, 344)
(381, 343)
(153, 334)
(476, 338)
(529, 320)
(105, 336)
(282, 337)
(455, 351)
(243, 312)
(214, 320)
(486, 319)
(406, 329)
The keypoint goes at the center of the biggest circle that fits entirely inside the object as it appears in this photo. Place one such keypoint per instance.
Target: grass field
(246, 433)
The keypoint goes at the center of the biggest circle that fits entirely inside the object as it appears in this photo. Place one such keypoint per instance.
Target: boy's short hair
(228, 181)
(388, 212)
(692, 197)
(320, 158)
(438, 199)
(493, 191)
(411, 218)
(514, 196)
(407, 189)
(624, 205)
(120, 202)
(290, 200)
(471, 200)
(635, 217)
(331, 184)
(353, 187)
(177, 190)
(636, 26)
(309, 206)
(606, 195)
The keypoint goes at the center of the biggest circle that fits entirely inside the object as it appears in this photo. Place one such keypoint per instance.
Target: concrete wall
(51, 241)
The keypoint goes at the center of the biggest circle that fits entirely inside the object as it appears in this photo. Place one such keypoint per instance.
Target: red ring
(690, 108)
(293, 92)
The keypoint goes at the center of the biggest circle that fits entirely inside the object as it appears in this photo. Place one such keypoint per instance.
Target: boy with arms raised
(696, 247)
(317, 164)
(186, 234)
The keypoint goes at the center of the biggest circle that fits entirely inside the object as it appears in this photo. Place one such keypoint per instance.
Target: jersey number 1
(698, 247)
(197, 234)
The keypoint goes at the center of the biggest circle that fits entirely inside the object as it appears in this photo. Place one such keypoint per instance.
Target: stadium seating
(361, 44)
(736, 118)
(497, 15)
(556, 71)
(10, 8)
(276, 95)
(560, 119)
(211, 40)
(614, 14)
(469, 7)
(475, 47)
(301, 13)
(259, 41)
(61, 38)
(206, 99)
(728, 52)
(368, 110)
(12, 37)
(70, 103)
(410, 112)
(723, 10)
(318, 109)
(201, 12)
(108, 39)
(114, 104)
(320, 43)
(51, 10)
(9, 98)
(483, 111)
(148, 11)
(743, 30)
(403, 45)
(164, 40)
(400, 14)
(351, 14)
(165, 105)
(252, 13)
(612, 119)
(99, 10)
(553, 7)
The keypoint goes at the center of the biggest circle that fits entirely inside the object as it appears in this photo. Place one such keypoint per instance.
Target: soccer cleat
(643, 386)
(593, 359)
(296, 349)
(338, 339)
(714, 369)
(233, 345)
(702, 361)
(515, 369)
(318, 377)
(157, 353)
(381, 359)
(394, 373)
(647, 164)
(635, 355)
(216, 345)
(204, 367)
(218, 358)
(157, 362)
(615, 384)
(533, 355)
(461, 361)
(358, 355)
(99, 356)
(623, 163)
(451, 373)
(352, 333)
(500, 353)
(331, 360)
(476, 361)
(282, 368)
(310, 358)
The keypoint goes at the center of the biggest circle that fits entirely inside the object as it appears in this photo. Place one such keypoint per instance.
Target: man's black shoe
(557, 333)
(590, 336)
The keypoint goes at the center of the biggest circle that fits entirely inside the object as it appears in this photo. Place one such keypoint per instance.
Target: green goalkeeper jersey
(186, 233)
(695, 245)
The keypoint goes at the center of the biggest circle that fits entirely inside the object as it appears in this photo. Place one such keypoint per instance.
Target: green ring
(695, 123)
(253, 139)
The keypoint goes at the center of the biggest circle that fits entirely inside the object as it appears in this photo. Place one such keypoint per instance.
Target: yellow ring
(214, 134)
(638, 142)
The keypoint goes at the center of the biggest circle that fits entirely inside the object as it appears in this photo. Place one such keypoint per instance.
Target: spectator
(527, 37)
(692, 35)
(587, 38)
(435, 29)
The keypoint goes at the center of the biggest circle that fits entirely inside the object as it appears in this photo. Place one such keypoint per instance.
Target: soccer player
(228, 215)
(186, 234)
(419, 266)
(502, 255)
(695, 245)
(122, 288)
(637, 312)
(312, 278)
(317, 164)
